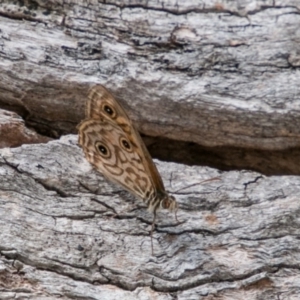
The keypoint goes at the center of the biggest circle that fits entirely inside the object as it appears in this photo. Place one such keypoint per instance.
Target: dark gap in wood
(284, 162)
(50, 129)
(18, 109)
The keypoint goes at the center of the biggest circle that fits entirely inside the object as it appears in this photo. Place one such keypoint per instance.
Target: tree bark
(68, 233)
(214, 73)
(199, 78)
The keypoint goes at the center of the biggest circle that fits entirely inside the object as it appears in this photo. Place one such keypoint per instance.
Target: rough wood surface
(66, 233)
(13, 131)
(218, 73)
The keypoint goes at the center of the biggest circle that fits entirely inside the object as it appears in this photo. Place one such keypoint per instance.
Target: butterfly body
(114, 147)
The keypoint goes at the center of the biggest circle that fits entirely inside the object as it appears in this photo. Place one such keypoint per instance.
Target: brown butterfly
(112, 144)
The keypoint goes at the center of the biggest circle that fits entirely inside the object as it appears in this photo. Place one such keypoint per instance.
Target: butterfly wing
(102, 105)
(108, 149)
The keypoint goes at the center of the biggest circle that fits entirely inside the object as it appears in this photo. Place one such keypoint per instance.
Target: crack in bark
(255, 180)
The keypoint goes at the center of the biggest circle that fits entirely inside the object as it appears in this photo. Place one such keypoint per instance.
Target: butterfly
(112, 144)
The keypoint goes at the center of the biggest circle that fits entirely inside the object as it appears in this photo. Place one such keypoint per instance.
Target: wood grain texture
(67, 233)
(217, 73)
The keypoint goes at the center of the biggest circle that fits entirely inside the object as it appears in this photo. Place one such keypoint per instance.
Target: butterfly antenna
(206, 180)
(152, 229)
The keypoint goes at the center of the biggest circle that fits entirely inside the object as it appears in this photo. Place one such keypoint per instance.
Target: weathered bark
(68, 233)
(220, 74)
(214, 73)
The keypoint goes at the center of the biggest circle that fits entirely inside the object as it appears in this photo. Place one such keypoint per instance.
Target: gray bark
(215, 73)
(220, 74)
(67, 233)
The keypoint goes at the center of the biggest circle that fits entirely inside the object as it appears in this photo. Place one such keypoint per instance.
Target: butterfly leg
(152, 229)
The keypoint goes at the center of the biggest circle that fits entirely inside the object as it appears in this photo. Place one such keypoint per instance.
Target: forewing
(102, 105)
